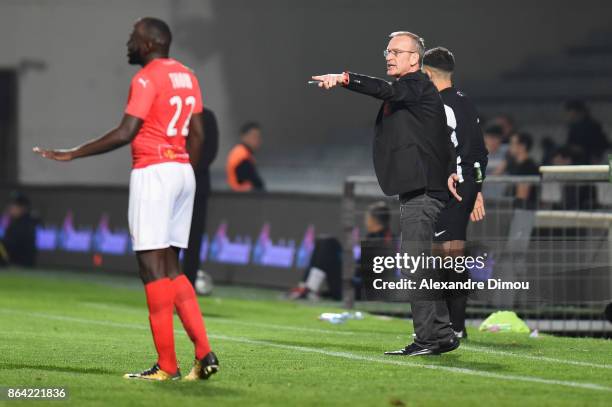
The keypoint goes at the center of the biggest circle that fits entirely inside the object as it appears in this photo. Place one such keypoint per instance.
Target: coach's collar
(418, 75)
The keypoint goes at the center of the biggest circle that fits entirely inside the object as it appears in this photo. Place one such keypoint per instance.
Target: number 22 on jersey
(178, 104)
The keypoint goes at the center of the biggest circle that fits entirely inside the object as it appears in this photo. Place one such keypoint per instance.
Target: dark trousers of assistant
(191, 259)
(418, 217)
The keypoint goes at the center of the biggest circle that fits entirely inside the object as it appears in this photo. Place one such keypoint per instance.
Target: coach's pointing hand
(57, 155)
(331, 80)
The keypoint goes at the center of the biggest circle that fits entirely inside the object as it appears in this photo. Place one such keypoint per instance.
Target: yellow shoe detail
(195, 371)
(155, 373)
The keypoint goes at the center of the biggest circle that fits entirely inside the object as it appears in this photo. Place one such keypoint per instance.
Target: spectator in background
(242, 175)
(493, 137)
(18, 246)
(378, 221)
(585, 134)
(210, 146)
(523, 218)
(521, 164)
(574, 196)
(324, 270)
(498, 151)
(506, 123)
(549, 149)
(378, 233)
(326, 261)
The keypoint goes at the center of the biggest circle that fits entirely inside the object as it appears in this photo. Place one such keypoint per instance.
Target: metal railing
(559, 240)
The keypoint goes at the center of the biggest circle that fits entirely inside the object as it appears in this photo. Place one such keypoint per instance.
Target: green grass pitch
(84, 331)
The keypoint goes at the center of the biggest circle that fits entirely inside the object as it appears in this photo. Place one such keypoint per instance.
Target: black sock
(456, 309)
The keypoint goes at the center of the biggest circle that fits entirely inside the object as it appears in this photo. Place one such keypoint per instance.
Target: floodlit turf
(84, 332)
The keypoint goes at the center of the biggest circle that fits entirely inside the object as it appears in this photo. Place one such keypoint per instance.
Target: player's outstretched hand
(57, 155)
(452, 186)
(330, 80)
(478, 213)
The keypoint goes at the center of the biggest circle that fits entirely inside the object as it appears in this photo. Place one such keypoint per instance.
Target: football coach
(413, 158)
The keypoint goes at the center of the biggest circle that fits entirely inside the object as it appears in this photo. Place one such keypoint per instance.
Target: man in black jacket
(586, 137)
(210, 146)
(413, 157)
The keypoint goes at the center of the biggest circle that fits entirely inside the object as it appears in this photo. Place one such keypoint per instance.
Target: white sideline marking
(394, 361)
(345, 355)
(285, 327)
(465, 347)
(236, 322)
(532, 357)
(471, 348)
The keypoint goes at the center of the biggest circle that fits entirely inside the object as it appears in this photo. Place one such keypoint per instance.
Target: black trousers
(191, 258)
(418, 217)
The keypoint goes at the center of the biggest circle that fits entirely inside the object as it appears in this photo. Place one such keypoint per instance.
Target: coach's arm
(117, 137)
(401, 90)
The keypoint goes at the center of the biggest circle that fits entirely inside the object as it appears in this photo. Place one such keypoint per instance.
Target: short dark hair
(576, 105)
(248, 126)
(381, 213)
(506, 117)
(494, 130)
(440, 58)
(20, 199)
(158, 31)
(565, 152)
(524, 138)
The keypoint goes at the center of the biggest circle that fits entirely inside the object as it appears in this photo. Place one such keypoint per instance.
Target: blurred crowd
(511, 153)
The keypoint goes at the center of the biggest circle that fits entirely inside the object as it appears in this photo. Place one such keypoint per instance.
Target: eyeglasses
(395, 52)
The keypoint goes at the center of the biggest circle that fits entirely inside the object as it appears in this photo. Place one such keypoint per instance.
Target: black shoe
(448, 345)
(204, 368)
(411, 350)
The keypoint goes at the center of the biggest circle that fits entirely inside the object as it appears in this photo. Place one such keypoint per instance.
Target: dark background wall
(270, 48)
(253, 59)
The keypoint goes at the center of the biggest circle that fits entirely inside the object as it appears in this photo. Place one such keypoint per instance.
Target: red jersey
(164, 94)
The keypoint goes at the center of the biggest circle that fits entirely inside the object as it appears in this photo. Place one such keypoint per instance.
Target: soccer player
(467, 202)
(163, 123)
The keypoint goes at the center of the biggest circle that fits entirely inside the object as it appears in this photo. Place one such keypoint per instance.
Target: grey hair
(419, 41)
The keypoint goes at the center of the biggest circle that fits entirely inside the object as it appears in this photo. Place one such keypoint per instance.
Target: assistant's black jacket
(466, 135)
(412, 147)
